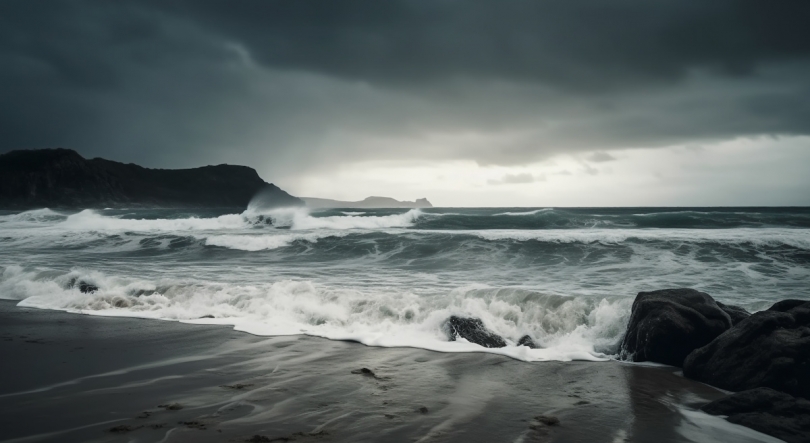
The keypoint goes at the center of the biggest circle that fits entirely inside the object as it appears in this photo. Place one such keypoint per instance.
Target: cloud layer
(304, 87)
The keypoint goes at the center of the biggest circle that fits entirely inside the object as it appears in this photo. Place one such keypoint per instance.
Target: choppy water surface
(391, 277)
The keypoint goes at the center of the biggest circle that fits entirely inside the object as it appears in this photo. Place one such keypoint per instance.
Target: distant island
(368, 203)
(61, 178)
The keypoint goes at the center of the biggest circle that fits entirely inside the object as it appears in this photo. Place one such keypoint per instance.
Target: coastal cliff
(367, 203)
(61, 178)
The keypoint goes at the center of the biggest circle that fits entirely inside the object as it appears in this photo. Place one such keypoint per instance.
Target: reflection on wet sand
(217, 385)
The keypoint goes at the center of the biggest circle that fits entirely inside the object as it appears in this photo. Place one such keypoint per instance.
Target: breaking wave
(567, 327)
(534, 212)
(391, 277)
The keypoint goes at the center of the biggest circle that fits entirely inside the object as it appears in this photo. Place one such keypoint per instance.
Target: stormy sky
(467, 103)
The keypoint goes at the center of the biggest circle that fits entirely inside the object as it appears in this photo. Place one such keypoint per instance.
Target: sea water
(565, 276)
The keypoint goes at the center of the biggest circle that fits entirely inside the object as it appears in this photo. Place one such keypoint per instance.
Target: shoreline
(69, 377)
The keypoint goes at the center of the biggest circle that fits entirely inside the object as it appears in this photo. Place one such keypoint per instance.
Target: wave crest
(302, 219)
(536, 211)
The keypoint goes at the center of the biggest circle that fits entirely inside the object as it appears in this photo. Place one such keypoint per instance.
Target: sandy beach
(75, 378)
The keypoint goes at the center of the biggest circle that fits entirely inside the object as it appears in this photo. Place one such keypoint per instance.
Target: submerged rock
(768, 349)
(765, 410)
(472, 330)
(666, 325)
(736, 313)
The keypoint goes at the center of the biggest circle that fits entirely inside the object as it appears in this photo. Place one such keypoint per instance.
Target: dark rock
(292, 437)
(548, 420)
(63, 178)
(736, 313)
(171, 406)
(121, 429)
(87, 288)
(422, 410)
(365, 371)
(786, 305)
(526, 340)
(367, 203)
(84, 287)
(207, 316)
(666, 325)
(765, 410)
(752, 400)
(474, 331)
(237, 386)
(768, 349)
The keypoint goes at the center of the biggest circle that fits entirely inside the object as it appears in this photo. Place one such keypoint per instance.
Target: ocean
(565, 276)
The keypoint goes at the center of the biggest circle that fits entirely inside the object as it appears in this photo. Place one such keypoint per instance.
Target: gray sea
(565, 276)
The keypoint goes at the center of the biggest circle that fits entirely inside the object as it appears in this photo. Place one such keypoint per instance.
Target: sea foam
(301, 219)
(536, 211)
(393, 277)
(569, 328)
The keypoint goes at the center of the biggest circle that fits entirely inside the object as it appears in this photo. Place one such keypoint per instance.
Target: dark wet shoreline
(67, 377)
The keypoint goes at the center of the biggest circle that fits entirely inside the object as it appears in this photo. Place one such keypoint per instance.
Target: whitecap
(536, 211)
(569, 328)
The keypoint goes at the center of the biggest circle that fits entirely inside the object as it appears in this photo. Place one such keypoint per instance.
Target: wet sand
(72, 378)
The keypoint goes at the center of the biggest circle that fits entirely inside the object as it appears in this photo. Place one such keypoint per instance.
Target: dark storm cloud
(281, 85)
(590, 45)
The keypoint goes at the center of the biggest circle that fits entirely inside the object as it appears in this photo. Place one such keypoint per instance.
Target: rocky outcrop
(727, 347)
(768, 349)
(84, 287)
(61, 178)
(666, 325)
(736, 313)
(527, 340)
(472, 330)
(87, 288)
(767, 411)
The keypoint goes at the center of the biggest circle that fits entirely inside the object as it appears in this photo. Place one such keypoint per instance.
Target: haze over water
(565, 276)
